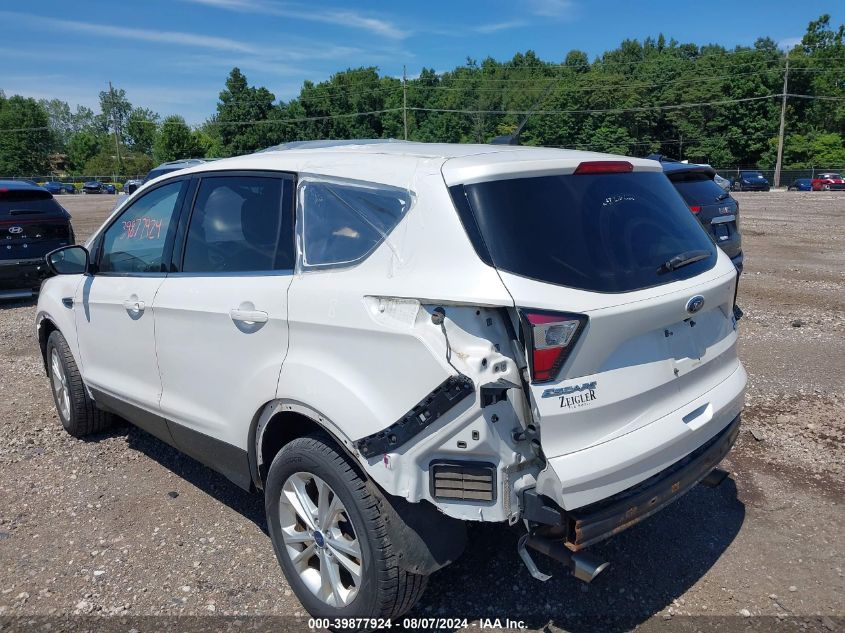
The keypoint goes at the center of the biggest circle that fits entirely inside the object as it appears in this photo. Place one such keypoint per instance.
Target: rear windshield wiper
(723, 196)
(684, 259)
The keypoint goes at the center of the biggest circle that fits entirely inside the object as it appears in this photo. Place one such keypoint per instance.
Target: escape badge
(573, 396)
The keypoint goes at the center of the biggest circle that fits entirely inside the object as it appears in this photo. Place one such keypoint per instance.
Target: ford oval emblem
(695, 304)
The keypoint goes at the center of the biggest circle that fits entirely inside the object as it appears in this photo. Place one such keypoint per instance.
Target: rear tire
(77, 411)
(324, 517)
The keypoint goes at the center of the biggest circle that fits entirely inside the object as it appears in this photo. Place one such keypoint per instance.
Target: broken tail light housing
(549, 338)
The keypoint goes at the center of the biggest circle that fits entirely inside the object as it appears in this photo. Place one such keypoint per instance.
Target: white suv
(391, 339)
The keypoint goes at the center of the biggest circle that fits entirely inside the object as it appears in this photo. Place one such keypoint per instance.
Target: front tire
(77, 411)
(330, 534)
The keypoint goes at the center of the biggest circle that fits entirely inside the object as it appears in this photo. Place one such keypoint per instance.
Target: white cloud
(272, 58)
(496, 27)
(552, 8)
(338, 16)
(127, 33)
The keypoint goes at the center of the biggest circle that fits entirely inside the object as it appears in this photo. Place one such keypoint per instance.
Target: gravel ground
(121, 524)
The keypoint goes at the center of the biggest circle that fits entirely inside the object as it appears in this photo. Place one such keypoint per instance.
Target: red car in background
(828, 182)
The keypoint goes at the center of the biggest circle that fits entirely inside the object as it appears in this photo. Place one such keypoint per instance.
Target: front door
(221, 320)
(114, 307)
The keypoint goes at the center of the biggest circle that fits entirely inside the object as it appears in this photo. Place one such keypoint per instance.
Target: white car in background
(393, 339)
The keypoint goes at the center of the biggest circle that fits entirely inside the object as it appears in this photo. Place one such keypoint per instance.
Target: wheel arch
(427, 538)
(281, 421)
(45, 328)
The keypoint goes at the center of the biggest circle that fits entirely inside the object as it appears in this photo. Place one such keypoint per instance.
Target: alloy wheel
(60, 386)
(320, 540)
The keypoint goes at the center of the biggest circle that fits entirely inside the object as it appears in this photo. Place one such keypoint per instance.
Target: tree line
(704, 103)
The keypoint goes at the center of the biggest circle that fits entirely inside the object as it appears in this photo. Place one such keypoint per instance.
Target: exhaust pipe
(587, 567)
(584, 566)
(715, 477)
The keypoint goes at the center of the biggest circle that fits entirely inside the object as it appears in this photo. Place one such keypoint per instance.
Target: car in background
(32, 223)
(131, 185)
(55, 187)
(801, 184)
(828, 181)
(109, 188)
(750, 181)
(724, 183)
(714, 207)
(174, 165)
(93, 186)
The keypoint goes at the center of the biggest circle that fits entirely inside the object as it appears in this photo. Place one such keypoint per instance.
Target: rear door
(717, 211)
(221, 319)
(587, 261)
(114, 307)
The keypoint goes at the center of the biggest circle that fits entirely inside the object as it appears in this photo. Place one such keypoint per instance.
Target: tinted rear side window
(341, 222)
(599, 232)
(25, 202)
(698, 188)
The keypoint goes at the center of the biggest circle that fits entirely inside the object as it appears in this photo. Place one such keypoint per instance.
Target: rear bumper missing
(598, 521)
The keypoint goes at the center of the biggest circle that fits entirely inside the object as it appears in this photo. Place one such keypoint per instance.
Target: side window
(134, 243)
(341, 222)
(241, 224)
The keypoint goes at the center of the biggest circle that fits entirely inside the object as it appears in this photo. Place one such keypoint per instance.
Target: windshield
(832, 176)
(599, 232)
(751, 174)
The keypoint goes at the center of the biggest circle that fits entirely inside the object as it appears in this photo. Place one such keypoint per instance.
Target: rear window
(597, 232)
(27, 202)
(698, 188)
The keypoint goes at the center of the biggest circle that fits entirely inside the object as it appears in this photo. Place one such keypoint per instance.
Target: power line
(597, 111)
(821, 97)
(309, 118)
(603, 87)
(467, 111)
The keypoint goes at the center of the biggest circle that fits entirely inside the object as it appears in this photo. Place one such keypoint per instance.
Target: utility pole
(405, 99)
(114, 121)
(782, 122)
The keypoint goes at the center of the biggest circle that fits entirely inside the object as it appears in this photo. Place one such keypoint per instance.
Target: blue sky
(173, 55)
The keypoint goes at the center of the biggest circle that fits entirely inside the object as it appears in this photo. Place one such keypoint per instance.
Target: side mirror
(68, 260)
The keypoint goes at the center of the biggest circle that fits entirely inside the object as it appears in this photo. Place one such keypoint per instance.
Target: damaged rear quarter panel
(363, 370)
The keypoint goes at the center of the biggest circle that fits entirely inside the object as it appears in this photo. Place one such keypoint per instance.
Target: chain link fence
(787, 176)
(76, 179)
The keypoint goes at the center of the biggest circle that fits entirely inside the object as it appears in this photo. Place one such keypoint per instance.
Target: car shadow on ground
(652, 565)
(251, 506)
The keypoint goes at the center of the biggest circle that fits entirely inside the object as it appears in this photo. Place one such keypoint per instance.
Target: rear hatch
(32, 224)
(717, 211)
(625, 302)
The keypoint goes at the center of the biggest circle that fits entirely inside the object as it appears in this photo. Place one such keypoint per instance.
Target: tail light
(695, 208)
(549, 337)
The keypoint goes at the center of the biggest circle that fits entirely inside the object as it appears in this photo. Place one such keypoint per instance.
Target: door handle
(248, 316)
(134, 306)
